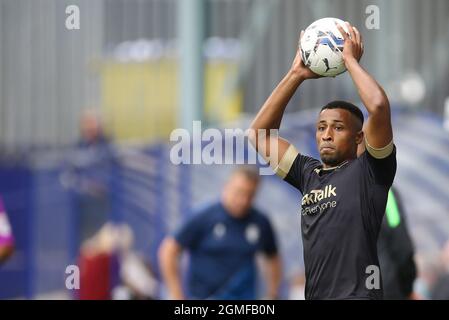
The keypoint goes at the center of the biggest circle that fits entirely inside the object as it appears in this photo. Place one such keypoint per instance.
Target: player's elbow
(251, 133)
(257, 135)
(168, 252)
(163, 253)
(6, 252)
(379, 104)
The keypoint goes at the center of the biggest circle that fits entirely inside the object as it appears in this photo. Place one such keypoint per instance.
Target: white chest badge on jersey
(219, 230)
(252, 233)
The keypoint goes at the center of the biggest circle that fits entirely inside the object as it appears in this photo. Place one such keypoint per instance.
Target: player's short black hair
(339, 104)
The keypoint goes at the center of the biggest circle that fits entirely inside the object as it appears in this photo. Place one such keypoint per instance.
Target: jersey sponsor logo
(317, 195)
(311, 202)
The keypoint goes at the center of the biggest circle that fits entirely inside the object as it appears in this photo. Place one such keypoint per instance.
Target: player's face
(90, 127)
(239, 194)
(337, 136)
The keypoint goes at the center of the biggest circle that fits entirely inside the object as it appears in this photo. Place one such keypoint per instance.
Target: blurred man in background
(6, 236)
(297, 286)
(93, 172)
(88, 174)
(428, 273)
(223, 240)
(91, 129)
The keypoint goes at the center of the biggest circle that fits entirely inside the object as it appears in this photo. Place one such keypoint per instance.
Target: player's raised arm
(270, 115)
(378, 130)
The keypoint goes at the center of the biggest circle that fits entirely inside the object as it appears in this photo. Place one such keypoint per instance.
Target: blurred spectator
(137, 279)
(111, 270)
(223, 240)
(396, 252)
(6, 235)
(91, 129)
(88, 175)
(429, 269)
(99, 261)
(297, 287)
(440, 290)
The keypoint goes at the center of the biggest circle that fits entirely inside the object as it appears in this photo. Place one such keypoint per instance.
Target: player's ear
(359, 137)
(360, 143)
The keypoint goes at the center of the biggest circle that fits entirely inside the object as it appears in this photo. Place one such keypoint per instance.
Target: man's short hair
(249, 171)
(339, 104)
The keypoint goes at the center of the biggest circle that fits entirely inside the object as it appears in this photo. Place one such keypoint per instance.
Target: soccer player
(223, 240)
(344, 197)
(6, 236)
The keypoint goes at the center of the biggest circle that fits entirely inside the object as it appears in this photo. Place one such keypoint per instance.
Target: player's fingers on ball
(358, 36)
(351, 31)
(357, 45)
(342, 31)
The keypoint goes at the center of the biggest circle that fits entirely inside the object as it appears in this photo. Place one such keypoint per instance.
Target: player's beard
(331, 159)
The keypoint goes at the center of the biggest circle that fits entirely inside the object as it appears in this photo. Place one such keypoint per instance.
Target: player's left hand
(298, 66)
(353, 47)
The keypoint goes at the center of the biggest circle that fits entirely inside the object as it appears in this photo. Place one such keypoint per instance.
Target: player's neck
(331, 167)
(327, 166)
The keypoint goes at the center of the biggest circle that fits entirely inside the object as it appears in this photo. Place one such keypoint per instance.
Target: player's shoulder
(208, 207)
(293, 162)
(257, 213)
(388, 156)
(259, 216)
(384, 153)
(312, 163)
(200, 218)
(379, 169)
(308, 166)
(206, 211)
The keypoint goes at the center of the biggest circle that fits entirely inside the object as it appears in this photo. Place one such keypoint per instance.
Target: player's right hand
(298, 67)
(353, 47)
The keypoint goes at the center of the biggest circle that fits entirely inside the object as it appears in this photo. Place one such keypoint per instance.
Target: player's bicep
(285, 158)
(189, 234)
(269, 145)
(269, 244)
(170, 246)
(379, 133)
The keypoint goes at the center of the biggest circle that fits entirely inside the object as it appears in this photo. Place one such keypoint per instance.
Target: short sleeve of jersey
(380, 171)
(300, 170)
(189, 234)
(269, 245)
